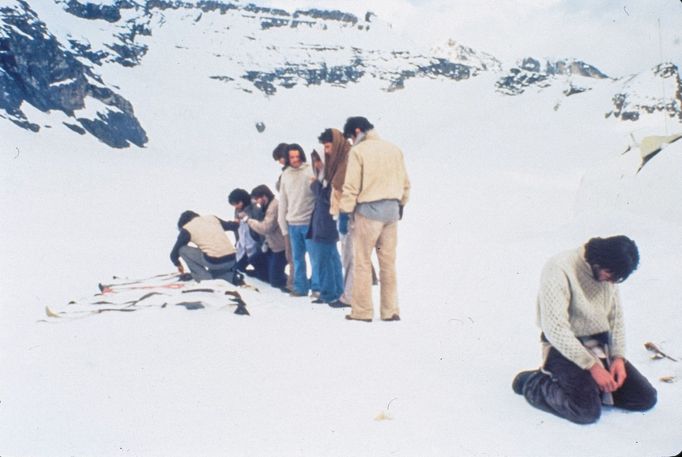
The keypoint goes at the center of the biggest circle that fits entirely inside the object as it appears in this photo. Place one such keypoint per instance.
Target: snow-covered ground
(499, 184)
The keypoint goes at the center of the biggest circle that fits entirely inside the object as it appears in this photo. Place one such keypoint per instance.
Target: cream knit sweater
(296, 199)
(571, 304)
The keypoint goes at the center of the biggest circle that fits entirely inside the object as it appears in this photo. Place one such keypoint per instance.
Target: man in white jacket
(296, 202)
(579, 313)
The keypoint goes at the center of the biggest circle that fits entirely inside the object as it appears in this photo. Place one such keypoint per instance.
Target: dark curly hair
(262, 190)
(357, 122)
(296, 147)
(326, 137)
(280, 151)
(239, 195)
(618, 254)
(185, 217)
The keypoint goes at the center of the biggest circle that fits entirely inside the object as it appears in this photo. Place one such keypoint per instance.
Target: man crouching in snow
(214, 255)
(579, 312)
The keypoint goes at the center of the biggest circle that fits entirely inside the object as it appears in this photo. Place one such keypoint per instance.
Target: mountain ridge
(260, 50)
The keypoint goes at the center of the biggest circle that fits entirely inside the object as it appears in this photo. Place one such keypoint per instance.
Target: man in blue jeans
(296, 202)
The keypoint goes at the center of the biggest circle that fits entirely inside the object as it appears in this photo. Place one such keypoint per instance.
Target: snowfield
(498, 185)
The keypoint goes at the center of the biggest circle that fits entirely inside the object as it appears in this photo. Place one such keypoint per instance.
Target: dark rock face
(292, 75)
(629, 106)
(36, 68)
(109, 13)
(532, 73)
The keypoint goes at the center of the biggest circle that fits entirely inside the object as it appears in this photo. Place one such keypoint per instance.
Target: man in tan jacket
(375, 189)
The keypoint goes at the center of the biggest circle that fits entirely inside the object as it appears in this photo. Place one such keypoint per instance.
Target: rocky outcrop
(533, 73)
(635, 97)
(35, 68)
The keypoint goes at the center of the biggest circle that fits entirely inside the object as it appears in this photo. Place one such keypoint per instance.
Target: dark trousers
(277, 262)
(571, 393)
(259, 263)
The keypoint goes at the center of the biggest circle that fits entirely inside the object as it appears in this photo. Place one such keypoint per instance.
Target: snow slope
(499, 184)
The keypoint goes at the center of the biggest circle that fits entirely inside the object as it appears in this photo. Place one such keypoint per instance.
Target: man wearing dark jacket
(324, 236)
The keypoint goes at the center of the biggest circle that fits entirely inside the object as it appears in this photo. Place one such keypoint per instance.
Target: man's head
(316, 160)
(279, 154)
(356, 125)
(239, 198)
(185, 217)
(612, 259)
(296, 155)
(326, 139)
(262, 195)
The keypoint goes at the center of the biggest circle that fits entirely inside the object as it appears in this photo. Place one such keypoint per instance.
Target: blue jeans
(328, 266)
(315, 270)
(299, 246)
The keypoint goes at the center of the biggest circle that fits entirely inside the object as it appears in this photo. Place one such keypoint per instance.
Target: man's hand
(618, 372)
(603, 378)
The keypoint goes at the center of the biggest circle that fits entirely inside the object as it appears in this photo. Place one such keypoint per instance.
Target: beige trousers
(368, 235)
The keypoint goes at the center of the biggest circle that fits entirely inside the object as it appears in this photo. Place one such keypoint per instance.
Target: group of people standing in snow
(354, 195)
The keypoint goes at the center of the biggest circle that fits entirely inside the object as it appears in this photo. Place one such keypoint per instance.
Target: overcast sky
(619, 37)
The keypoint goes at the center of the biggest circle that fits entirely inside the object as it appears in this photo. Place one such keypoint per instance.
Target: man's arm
(406, 186)
(617, 325)
(269, 222)
(183, 239)
(229, 226)
(617, 347)
(283, 206)
(352, 183)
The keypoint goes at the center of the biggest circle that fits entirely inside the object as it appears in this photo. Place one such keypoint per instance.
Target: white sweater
(571, 304)
(296, 199)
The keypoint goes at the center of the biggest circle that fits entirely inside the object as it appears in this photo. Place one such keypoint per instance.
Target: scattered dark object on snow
(260, 126)
(241, 309)
(191, 305)
(668, 379)
(144, 297)
(123, 310)
(658, 354)
(197, 290)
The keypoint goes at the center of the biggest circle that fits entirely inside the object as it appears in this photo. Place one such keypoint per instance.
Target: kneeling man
(579, 312)
(214, 254)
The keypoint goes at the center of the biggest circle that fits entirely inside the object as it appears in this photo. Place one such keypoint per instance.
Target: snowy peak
(457, 53)
(531, 72)
(60, 56)
(657, 90)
